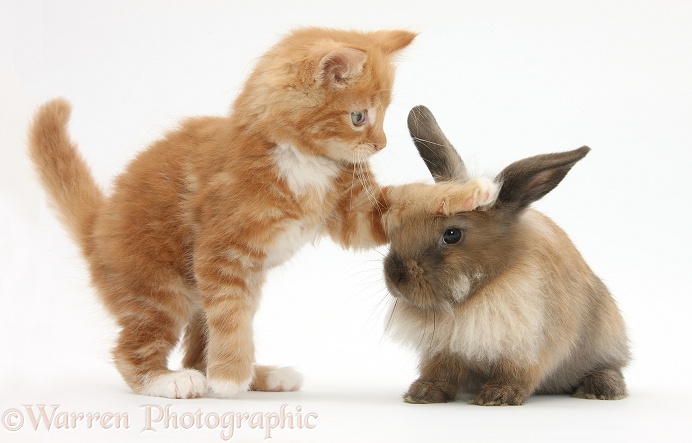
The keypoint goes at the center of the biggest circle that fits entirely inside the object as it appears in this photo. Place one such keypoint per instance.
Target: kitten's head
(324, 91)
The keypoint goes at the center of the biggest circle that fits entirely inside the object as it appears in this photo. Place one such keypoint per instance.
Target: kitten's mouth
(350, 155)
(362, 156)
(366, 150)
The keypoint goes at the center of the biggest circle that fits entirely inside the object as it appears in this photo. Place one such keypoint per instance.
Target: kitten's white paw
(485, 194)
(187, 383)
(284, 379)
(226, 388)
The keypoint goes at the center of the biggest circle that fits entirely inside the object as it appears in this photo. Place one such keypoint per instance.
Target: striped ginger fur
(182, 245)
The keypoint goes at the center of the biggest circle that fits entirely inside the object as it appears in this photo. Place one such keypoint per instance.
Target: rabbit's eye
(452, 235)
(359, 118)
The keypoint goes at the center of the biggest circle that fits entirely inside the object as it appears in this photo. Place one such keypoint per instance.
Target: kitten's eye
(452, 235)
(359, 118)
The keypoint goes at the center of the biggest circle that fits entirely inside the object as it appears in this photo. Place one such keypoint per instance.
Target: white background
(506, 80)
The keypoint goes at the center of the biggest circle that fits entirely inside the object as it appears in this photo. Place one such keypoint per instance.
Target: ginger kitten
(184, 242)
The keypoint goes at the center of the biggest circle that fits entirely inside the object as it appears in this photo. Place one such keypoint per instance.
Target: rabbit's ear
(526, 181)
(439, 155)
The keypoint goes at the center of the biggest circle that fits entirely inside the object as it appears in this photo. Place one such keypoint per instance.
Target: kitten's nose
(378, 143)
(377, 147)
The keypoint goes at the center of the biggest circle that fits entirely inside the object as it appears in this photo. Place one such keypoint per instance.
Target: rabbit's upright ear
(439, 155)
(526, 181)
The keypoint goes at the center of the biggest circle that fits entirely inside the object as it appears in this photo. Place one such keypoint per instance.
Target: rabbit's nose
(394, 269)
(413, 269)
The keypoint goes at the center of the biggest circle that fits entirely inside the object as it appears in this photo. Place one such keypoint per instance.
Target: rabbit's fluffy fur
(498, 301)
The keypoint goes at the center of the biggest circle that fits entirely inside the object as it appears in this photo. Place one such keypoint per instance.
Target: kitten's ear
(392, 41)
(341, 66)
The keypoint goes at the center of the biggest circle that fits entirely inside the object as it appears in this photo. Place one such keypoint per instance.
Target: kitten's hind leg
(274, 379)
(150, 327)
(602, 384)
(195, 343)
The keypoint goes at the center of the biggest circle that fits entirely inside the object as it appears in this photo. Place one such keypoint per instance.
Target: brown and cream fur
(183, 244)
(498, 301)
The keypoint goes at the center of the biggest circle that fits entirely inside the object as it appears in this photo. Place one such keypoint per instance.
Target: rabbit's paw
(500, 395)
(425, 392)
(604, 384)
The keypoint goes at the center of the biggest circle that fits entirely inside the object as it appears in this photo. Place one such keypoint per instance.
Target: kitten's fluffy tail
(64, 173)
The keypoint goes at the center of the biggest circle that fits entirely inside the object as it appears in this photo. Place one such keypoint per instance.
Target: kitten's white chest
(304, 172)
(308, 177)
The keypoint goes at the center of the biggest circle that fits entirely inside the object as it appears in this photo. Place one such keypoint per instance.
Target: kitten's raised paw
(476, 193)
(485, 192)
(187, 383)
(226, 388)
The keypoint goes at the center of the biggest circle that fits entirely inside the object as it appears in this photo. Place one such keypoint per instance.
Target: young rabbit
(498, 301)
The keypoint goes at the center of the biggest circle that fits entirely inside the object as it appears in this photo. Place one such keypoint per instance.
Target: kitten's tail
(64, 173)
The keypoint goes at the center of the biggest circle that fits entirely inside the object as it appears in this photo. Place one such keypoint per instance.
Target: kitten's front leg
(365, 217)
(441, 198)
(230, 296)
